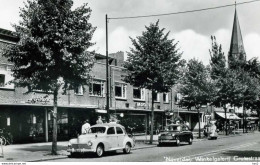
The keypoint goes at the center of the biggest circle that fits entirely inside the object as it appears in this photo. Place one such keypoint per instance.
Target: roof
(8, 35)
(236, 44)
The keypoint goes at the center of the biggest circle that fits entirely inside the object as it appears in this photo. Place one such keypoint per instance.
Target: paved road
(239, 148)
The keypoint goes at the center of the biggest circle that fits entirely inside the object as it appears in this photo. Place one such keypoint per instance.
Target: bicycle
(130, 133)
(5, 138)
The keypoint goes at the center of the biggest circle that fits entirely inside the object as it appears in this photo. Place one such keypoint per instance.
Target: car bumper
(167, 140)
(80, 150)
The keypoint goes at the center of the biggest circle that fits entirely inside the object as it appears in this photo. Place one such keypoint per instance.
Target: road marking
(216, 151)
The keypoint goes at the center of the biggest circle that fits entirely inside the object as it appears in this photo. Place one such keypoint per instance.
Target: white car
(101, 138)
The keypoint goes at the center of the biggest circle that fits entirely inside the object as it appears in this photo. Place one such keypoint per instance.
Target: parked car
(175, 133)
(101, 138)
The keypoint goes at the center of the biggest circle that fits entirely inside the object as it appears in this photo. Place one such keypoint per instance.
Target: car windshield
(173, 128)
(97, 130)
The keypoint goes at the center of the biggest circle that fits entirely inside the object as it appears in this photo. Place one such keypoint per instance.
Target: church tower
(236, 51)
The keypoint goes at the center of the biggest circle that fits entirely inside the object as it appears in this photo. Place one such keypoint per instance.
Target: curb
(66, 156)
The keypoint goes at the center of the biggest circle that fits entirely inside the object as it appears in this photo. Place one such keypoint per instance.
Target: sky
(192, 30)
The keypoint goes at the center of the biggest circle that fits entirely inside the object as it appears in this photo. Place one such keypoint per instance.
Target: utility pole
(107, 74)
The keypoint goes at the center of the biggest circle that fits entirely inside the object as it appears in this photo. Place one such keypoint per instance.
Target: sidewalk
(41, 151)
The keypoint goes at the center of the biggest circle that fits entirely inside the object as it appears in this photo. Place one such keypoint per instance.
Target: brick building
(28, 116)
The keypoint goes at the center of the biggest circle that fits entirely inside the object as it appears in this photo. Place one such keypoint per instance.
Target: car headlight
(159, 134)
(90, 143)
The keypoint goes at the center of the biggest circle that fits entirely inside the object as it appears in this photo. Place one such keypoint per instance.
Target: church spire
(236, 51)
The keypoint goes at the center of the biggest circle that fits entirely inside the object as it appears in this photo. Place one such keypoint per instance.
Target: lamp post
(107, 76)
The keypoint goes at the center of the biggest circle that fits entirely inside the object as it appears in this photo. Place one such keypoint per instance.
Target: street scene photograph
(129, 81)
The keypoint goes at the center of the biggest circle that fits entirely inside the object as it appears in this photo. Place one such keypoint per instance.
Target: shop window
(2, 80)
(120, 90)
(96, 88)
(79, 90)
(156, 97)
(138, 94)
(165, 97)
(62, 121)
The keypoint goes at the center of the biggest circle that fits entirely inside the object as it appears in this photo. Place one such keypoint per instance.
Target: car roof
(108, 125)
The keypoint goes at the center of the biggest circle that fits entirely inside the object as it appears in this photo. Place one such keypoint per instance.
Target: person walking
(85, 127)
(99, 121)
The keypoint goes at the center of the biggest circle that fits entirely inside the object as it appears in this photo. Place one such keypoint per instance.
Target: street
(238, 148)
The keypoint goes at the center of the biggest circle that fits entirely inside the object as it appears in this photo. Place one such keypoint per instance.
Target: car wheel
(190, 141)
(127, 148)
(73, 154)
(100, 150)
(177, 141)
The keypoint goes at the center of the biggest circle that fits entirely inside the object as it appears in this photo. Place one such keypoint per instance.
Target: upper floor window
(120, 90)
(139, 94)
(2, 80)
(96, 88)
(156, 97)
(165, 97)
(79, 90)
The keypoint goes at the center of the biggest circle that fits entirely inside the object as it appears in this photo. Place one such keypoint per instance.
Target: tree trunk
(225, 109)
(152, 119)
(259, 122)
(54, 136)
(199, 121)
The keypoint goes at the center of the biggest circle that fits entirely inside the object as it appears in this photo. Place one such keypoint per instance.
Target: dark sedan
(175, 133)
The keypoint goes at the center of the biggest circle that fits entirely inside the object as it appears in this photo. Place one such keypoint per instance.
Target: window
(111, 131)
(79, 90)
(119, 130)
(165, 97)
(120, 90)
(138, 94)
(2, 80)
(96, 88)
(156, 97)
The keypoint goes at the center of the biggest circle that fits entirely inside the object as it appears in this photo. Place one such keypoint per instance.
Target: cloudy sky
(192, 30)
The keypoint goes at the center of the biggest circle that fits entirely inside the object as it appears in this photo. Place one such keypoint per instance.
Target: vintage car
(101, 138)
(175, 133)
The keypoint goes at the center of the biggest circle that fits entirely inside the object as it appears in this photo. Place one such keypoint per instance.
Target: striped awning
(230, 116)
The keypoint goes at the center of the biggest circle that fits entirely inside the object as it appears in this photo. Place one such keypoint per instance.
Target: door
(111, 138)
(120, 137)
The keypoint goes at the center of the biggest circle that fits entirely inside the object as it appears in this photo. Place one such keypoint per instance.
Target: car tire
(100, 150)
(190, 141)
(177, 141)
(127, 148)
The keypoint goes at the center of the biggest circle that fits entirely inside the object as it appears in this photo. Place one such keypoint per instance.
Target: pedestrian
(187, 124)
(99, 120)
(85, 127)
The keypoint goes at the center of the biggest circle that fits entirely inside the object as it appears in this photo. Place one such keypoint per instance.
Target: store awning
(230, 116)
(252, 118)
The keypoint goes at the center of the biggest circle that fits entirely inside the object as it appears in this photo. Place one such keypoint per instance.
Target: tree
(52, 51)
(196, 86)
(228, 88)
(236, 84)
(153, 63)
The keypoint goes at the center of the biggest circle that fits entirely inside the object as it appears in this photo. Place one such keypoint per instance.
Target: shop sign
(37, 100)
(140, 104)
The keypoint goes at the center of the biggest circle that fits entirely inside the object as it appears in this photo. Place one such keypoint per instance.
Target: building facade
(28, 116)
